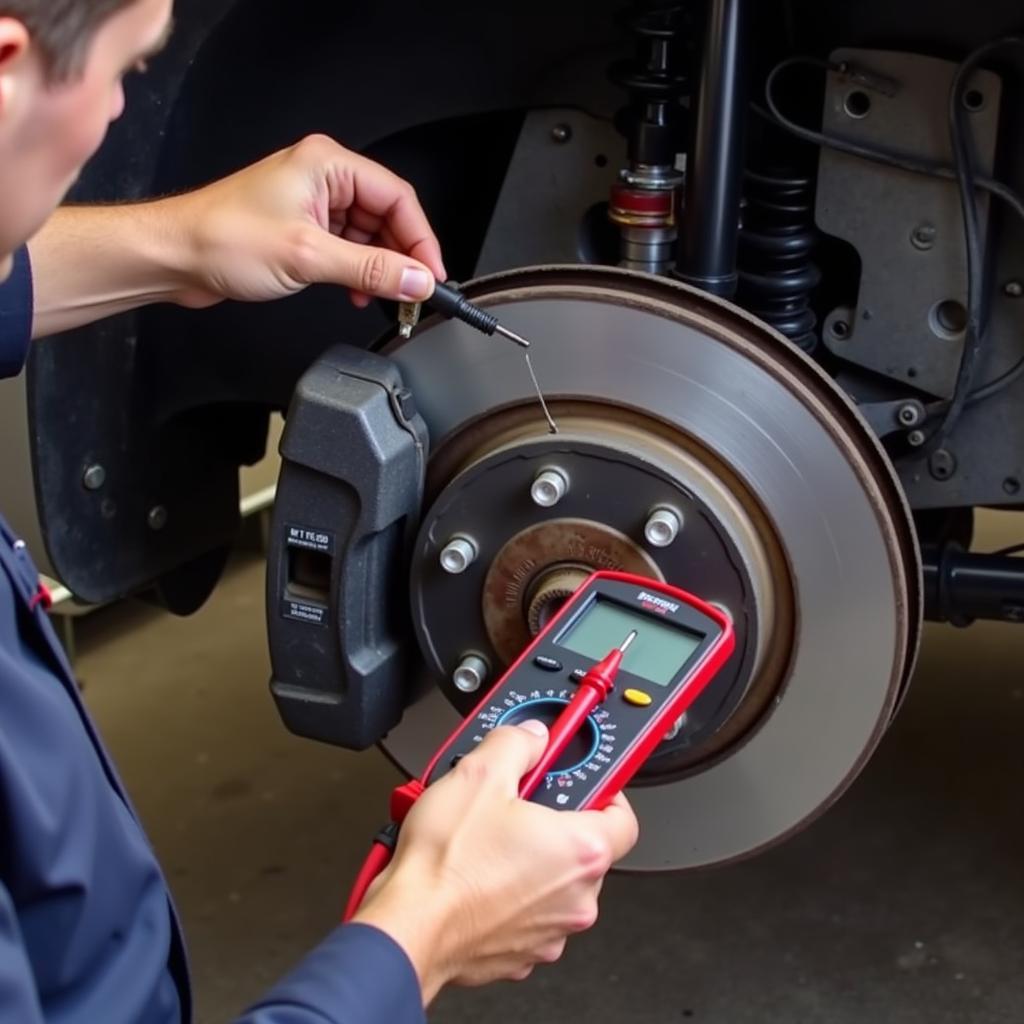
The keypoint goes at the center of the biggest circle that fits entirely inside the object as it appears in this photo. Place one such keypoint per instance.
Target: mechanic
(88, 933)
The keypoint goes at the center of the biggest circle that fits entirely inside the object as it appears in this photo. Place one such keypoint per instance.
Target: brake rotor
(790, 514)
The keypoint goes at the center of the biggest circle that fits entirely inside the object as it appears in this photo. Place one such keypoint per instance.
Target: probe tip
(512, 336)
(629, 639)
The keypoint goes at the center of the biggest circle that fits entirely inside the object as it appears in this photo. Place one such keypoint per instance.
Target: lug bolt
(549, 488)
(459, 554)
(470, 675)
(676, 729)
(94, 477)
(663, 527)
(916, 438)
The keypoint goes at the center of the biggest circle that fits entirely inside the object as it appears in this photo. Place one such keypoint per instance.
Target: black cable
(974, 330)
(986, 391)
(1014, 549)
(1000, 383)
(967, 182)
(875, 154)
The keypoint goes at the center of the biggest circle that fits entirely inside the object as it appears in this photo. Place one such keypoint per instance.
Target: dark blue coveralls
(88, 933)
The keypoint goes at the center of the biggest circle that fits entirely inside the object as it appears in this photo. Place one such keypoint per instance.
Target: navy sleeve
(19, 1000)
(16, 316)
(358, 975)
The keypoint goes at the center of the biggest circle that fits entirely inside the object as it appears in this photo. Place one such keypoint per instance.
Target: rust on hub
(535, 567)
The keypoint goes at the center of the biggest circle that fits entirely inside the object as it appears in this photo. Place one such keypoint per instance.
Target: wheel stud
(663, 527)
(549, 488)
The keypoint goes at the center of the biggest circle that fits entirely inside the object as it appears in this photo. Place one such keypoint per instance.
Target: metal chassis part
(711, 220)
(907, 228)
(961, 586)
(798, 444)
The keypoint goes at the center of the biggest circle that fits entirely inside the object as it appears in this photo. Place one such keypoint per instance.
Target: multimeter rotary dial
(588, 754)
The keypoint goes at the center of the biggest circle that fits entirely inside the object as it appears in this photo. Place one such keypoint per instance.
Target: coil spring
(655, 77)
(777, 274)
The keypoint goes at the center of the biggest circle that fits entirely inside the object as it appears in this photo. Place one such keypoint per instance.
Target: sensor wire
(552, 426)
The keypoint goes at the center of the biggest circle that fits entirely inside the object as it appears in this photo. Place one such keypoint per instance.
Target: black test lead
(450, 302)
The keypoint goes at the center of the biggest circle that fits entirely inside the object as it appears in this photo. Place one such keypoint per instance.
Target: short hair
(62, 29)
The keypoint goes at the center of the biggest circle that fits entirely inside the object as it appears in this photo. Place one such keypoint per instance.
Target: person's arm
(358, 975)
(314, 213)
(483, 887)
(15, 315)
(19, 1000)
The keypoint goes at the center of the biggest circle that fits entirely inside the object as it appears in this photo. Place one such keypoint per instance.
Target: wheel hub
(787, 515)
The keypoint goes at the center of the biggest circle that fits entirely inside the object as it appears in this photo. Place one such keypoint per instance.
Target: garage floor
(904, 903)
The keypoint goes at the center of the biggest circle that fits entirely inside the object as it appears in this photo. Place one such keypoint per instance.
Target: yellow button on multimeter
(637, 698)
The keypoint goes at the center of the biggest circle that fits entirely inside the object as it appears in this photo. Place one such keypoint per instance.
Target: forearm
(358, 975)
(90, 262)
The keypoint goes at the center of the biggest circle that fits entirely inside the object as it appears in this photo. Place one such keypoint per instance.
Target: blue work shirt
(88, 932)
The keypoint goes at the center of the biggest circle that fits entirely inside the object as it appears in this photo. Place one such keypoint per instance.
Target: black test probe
(450, 302)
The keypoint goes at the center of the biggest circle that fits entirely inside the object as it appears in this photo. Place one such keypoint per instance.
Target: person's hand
(483, 885)
(312, 214)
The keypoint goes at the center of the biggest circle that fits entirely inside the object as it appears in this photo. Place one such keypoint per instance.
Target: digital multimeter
(643, 652)
(609, 675)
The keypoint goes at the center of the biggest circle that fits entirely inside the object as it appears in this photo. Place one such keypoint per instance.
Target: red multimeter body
(681, 644)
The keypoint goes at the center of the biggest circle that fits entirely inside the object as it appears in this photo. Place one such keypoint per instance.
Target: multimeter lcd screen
(657, 654)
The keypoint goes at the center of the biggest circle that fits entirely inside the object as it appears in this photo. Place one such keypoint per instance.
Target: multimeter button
(637, 698)
(548, 664)
(577, 674)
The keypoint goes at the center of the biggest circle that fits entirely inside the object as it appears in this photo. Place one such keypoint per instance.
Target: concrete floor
(904, 903)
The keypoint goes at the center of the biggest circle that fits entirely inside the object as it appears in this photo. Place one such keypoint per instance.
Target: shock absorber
(777, 239)
(644, 201)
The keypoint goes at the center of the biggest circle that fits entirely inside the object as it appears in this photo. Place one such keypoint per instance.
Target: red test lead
(594, 689)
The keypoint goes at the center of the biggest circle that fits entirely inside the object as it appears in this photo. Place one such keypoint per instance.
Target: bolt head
(157, 518)
(923, 236)
(1014, 289)
(561, 133)
(942, 464)
(908, 415)
(94, 477)
(916, 438)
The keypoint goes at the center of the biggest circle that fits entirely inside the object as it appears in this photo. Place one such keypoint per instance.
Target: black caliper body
(354, 455)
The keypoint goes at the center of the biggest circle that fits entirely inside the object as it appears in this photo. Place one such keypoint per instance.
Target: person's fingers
(371, 223)
(551, 952)
(425, 255)
(505, 756)
(355, 182)
(407, 224)
(357, 235)
(617, 824)
(324, 259)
